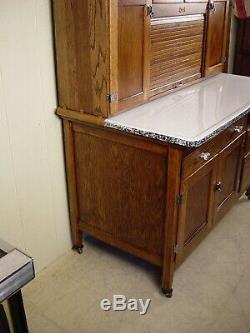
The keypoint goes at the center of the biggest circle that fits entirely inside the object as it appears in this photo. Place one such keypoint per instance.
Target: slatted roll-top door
(176, 51)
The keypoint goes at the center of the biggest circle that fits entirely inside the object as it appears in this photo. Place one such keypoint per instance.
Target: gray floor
(211, 289)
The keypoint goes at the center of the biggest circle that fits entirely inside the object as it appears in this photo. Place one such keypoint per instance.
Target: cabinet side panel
(81, 36)
(121, 191)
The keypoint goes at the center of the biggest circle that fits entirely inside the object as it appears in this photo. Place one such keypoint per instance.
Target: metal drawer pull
(238, 129)
(205, 156)
(218, 187)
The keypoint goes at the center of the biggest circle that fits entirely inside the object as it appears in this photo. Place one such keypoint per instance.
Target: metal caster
(168, 292)
(78, 249)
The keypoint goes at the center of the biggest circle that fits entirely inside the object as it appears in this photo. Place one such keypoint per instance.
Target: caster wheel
(78, 249)
(168, 292)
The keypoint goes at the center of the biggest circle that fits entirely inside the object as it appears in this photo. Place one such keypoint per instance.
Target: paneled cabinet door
(245, 173)
(130, 29)
(217, 37)
(196, 209)
(227, 182)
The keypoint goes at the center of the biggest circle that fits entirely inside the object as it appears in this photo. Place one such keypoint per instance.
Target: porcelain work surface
(190, 116)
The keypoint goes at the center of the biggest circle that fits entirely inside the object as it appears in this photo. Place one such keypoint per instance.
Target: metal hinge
(112, 97)
(179, 199)
(176, 249)
(150, 11)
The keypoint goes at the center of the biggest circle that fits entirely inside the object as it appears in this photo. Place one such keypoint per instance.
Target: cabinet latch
(150, 11)
(112, 97)
(179, 199)
(176, 249)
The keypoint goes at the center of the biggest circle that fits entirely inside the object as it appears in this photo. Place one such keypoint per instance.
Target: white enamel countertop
(191, 116)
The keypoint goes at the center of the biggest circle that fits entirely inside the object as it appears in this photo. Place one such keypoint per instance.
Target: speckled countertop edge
(169, 139)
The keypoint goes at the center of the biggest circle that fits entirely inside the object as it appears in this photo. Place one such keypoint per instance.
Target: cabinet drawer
(200, 156)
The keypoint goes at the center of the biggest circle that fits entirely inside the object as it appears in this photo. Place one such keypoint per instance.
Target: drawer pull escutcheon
(218, 187)
(205, 156)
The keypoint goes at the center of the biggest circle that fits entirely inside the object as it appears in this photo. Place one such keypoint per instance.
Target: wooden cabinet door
(227, 182)
(245, 174)
(217, 38)
(196, 209)
(130, 28)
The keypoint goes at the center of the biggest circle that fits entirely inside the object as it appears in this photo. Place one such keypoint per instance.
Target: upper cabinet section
(113, 55)
(217, 37)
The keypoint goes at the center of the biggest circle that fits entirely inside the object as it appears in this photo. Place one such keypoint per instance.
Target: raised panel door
(227, 183)
(245, 173)
(196, 209)
(217, 37)
(129, 42)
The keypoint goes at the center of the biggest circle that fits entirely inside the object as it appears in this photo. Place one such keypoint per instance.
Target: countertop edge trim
(174, 140)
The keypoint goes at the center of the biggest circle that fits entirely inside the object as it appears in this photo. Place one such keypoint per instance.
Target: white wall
(33, 205)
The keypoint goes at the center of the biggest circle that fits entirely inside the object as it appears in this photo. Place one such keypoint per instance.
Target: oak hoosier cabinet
(157, 138)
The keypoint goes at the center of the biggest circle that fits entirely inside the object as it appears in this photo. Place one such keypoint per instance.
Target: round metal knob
(238, 129)
(218, 187)
(205, 156)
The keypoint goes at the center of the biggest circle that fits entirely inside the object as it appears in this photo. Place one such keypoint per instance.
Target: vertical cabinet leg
(76, 234)
(173, 188)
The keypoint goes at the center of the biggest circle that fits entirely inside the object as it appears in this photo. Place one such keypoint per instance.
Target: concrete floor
(211, 288)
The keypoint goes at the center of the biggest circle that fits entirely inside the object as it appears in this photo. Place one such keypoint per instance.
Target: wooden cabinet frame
(89, 52)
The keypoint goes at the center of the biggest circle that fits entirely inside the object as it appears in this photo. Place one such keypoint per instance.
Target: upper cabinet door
(130, 22)
(217, 37)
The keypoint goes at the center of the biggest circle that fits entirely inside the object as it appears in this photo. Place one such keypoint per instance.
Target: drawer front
(200, 156)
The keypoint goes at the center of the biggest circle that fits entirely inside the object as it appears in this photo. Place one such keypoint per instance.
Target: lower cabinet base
(130, 192)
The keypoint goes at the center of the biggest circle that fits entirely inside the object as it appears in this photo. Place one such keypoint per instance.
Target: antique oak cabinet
(155, 152)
